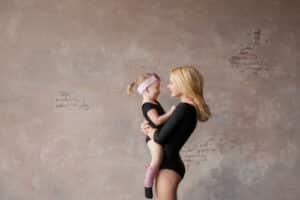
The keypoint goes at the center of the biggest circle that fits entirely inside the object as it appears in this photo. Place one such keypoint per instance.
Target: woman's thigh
(167, 182)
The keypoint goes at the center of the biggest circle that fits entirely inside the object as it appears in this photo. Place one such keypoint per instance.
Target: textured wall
(69, 132)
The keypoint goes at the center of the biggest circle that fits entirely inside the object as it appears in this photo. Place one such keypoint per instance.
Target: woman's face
(154, 90)
(173, 89)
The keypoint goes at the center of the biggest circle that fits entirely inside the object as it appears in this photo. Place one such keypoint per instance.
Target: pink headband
(147, 83)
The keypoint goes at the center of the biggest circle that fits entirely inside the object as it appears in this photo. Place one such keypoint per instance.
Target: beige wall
(69, 132)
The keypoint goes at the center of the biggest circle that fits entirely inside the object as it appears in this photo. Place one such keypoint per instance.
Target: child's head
(148, 85)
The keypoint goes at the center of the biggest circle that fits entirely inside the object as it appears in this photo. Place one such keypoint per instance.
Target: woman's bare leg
(166, 185)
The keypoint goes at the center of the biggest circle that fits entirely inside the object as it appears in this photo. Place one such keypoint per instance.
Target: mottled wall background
(69, 132)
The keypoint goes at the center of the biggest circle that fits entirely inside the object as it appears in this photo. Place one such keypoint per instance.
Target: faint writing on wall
(69, 102)
(248, 60)
(199, 153)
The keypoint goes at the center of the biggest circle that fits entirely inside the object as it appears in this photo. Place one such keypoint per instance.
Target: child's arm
(159, 119)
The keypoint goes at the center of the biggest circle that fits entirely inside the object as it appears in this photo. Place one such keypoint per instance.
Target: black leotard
(173, 135)
(159, 109)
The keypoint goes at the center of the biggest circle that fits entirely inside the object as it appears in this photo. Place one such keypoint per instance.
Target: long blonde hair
(134, 84)
(189, 82)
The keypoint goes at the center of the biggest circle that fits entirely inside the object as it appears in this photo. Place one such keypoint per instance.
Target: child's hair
(134, 84)
(189, 81)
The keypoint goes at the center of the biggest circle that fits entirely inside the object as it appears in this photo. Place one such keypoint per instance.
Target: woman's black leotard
(173, 135)
(159, 109)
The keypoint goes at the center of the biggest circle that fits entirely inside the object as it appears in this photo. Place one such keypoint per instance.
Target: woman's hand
(147, 129)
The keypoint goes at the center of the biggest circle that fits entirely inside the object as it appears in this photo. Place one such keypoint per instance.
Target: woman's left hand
(147, 129)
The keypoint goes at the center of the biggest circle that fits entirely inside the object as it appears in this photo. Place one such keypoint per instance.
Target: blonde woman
(186, 83)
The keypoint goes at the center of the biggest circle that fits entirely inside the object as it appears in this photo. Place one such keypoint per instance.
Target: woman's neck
(186, 99)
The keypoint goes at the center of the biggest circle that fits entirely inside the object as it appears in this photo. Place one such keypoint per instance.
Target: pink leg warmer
(150, 176)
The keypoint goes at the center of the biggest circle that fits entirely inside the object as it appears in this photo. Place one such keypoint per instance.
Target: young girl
(148, 86)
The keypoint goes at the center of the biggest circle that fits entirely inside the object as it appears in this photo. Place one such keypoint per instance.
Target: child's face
(154, 90)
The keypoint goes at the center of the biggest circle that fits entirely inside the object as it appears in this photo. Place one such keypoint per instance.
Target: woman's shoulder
(187, 112)
(184, 106)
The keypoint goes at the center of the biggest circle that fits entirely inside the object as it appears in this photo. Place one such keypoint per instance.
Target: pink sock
(150, 176)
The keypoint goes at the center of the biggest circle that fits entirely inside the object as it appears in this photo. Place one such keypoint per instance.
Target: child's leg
(156, 158)
(156, 152)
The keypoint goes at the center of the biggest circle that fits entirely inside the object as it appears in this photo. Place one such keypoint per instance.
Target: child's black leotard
(159, 109)
(173, 135)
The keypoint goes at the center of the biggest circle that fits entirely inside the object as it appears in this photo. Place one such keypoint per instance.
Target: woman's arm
(160, 136)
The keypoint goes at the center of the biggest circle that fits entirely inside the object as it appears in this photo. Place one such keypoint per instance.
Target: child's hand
(147, 129)
(172, 109)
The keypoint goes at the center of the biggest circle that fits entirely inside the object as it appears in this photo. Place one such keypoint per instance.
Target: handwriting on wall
(247, 59)
(69, 102)
(196, 154)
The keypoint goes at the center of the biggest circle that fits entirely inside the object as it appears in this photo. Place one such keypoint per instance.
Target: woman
(187, 83)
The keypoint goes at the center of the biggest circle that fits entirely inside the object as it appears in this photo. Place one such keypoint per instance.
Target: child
(148, 86)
